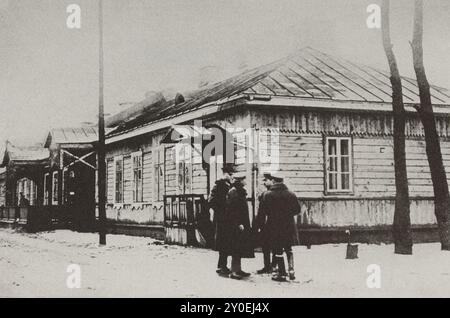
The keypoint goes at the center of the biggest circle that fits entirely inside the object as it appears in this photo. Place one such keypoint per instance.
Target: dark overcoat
(262, 237)
(280, 205)
(217, 202)
(237, 210)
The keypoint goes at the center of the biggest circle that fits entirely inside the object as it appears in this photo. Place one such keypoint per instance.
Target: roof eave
(200, 112)
(337, 105)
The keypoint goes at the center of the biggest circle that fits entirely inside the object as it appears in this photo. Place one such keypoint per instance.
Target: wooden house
(332, 125)
(69, 178)
(58, 178)
(23, 167)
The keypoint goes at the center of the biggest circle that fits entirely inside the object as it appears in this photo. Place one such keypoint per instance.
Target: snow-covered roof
(307, 75)
(24, 154)
(73, 135)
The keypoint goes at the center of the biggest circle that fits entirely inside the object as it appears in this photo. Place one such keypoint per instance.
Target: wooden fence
(186, 221)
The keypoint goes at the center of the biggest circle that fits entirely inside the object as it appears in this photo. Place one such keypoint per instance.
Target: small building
(57, 180)
(21, 183)
(332, 127)
(23, 170)
(69, 178)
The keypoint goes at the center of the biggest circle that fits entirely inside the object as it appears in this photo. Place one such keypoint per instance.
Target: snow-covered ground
(35, 265)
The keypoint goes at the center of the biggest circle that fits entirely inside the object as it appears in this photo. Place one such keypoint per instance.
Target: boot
(264, 270)
(273, 265)
(243, 274)
(222, 268)
(267, 266)
(236, 269)
(223, 271)
(280, 276)
(290, 259)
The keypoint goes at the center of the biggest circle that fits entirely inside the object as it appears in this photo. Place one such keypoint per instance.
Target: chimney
(179, 99)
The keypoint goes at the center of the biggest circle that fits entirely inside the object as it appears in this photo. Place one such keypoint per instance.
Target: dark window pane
(332, 180)
(345, 182)
(333, 163)
(332, 147)
(345, 164)
(344, 147)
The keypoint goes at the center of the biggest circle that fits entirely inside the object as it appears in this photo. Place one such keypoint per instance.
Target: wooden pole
(101, 165)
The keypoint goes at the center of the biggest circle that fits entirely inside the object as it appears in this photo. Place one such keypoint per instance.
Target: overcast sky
(49, 73)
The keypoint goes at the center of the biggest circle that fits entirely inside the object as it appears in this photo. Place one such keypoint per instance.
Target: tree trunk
(402, 222)
(433, 147)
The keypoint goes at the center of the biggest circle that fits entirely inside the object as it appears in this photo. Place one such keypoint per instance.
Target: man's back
(280, 202)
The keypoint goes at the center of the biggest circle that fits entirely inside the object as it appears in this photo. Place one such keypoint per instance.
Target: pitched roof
(24, 154)
(313, 74)
(69, 135)
(307, 74)
(73, 135)
(194, 99)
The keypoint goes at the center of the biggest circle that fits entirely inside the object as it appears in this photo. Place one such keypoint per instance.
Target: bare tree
(402, 222)
(433, 147)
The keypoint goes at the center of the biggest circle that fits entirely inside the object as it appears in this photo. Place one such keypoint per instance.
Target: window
(216, 162)
(20, 188)
(118, 184)
(338, 164)
(158, 174)
(33, 192)
(46, 190)
(183, 162)
(55, 188)
(137, 176)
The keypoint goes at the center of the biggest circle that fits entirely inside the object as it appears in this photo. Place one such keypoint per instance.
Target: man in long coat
(240, 230)
(217, 203)
(281, 205)
(261, 230)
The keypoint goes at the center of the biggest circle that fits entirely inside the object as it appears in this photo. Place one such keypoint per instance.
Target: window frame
(183, 168)
(46, 192)
(55, 191)
(135, 185)
(116, 160)
(159, 173)
(339, 172)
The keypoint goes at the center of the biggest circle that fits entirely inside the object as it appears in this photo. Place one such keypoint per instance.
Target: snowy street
(35, 265)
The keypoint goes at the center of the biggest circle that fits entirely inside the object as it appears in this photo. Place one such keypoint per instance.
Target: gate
(186, 220)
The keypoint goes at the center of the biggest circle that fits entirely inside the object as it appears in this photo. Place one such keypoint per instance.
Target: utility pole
(101, 165)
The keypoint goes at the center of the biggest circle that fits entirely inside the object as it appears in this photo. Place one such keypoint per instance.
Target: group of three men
(274, 226)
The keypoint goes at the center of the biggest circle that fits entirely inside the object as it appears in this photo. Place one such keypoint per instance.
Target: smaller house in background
(57, 179)
(69, 178)
(23, 166)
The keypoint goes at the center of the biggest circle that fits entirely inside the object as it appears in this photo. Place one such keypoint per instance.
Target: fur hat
(228, 168)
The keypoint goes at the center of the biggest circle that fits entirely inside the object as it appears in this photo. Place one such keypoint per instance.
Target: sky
(49, 73)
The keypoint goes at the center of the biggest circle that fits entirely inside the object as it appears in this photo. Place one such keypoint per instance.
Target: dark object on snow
(352, 249)
(224, 271)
